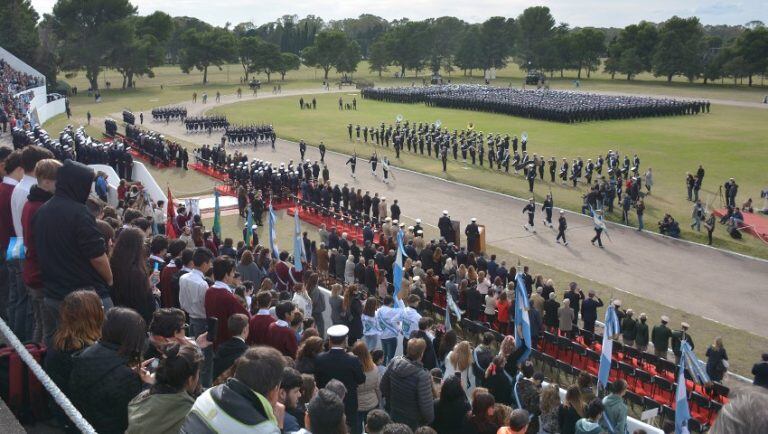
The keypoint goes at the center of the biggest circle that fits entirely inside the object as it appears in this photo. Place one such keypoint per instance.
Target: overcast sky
(599, 13)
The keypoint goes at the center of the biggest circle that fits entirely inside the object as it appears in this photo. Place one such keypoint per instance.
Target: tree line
(90, 35)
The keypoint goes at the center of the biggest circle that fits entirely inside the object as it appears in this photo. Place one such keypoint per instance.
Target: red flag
(170, 229)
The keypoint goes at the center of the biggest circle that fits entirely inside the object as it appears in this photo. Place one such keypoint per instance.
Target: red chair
(663, 390)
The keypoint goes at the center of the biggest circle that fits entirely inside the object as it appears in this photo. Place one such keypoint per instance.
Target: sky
(581, 13)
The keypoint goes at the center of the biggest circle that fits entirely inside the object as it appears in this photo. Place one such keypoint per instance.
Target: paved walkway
(680, 274)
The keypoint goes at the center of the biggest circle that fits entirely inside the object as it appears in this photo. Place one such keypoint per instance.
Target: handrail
(45, 380)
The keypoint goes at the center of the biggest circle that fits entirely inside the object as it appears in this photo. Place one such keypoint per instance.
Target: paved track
(688, 276)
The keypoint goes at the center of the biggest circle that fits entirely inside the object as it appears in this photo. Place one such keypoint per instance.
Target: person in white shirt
(160, 217)
(388, 318)
(483, 283)
(410, 318)
(192, 289)
(371, 330)
(490, 307)
(302, 300)
(19, 306)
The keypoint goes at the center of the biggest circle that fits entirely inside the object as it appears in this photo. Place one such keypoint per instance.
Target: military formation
(169, 113)
(205, 124)
(250, 134)
(545, 104)
(156, 147)
(76, 144)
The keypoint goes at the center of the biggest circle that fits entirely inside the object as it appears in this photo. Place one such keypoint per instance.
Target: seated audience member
(79, 327)
(247, 400)
(231, 349)
(108, 374)
(281, 336)
(164, 406)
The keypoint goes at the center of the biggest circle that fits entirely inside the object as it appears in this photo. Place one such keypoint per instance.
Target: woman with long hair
(336, 300)
(81, 316)
(452, 407)
(368, 393)
(305, 356)
(381, 283)
(109, 373)
(248, 269)
(164, 406)
(459, 362)
(549, 404)
(570, 411)
(446, 344)
(131, 286)
(371, 329)
(481, 420)
(354, 309)
(717, 360)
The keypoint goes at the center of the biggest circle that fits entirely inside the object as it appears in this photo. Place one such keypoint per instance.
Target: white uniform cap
(338, 331)
(445, 212)
(418, 220)
(394, 221)
(473, 219)
(665, 318)
(684, 325)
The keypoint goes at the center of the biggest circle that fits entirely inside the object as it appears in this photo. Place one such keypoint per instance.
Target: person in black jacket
(105, 376)
(429, 360)
(760, 371)
(71, 250)
(550, 312)
(337, 364)
(452, 407)
(407, 388)
(230, 350)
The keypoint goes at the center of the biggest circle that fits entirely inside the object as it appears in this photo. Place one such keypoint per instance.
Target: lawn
(728, 142)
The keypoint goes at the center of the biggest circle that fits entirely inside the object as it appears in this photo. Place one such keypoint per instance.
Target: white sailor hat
(473, 219)
(562, 211)
(402, 225)
(338, 331)
(420, 232)
(394, 221)
(445, 212)
(664, 318)
(410, 227)
(416, 278)
(684, 325)
(389, 219)
(254, 227)
(418, 220)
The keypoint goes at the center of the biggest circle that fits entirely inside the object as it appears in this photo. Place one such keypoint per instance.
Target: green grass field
(730, 141)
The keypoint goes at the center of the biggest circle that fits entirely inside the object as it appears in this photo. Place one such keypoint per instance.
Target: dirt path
(680, 274)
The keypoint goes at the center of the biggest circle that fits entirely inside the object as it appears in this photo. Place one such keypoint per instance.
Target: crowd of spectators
(153, 333)
(13, 109)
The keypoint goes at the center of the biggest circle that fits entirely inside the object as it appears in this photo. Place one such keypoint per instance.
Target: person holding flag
(597, 217)
(216, 228)
(299, 256)
(271, 219)
(611, 329)
(682, 412)
(170, 228)
(522, 320)
(249, 231)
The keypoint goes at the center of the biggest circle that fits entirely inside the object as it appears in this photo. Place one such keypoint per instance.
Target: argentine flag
(612, 328)
(522, 320)
(272, 232)
(397, 269)
(451, 306)
(298, 245)
(682, 413)
(15, 249)
(694, 366)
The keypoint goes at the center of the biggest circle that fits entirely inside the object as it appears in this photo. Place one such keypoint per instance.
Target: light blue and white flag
(611, 329)
(397, 269)
(522, 320)
(450, 306)
(16, 249)
(273, 232)
(298, 244)
(694, 366)
(682, 413)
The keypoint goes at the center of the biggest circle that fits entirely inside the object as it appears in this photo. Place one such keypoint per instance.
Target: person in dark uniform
(349, 130)
(337, 364)
(352, 163)
(552, 169)
(562, 225)
(599, 226)
(547, 208)
(472, 232)
(531, 176)
(321, 147)
(445, 227)
(530, 208)
(302, 149)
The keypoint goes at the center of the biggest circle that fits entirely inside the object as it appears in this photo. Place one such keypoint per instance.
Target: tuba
(399, 118)
(471, 126)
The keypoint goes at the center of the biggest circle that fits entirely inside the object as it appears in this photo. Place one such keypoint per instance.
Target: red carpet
(754, 223)
(210, 172)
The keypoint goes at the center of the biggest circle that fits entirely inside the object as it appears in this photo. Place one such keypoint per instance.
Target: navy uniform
(562, 225)
(472, 232)
(531, 210)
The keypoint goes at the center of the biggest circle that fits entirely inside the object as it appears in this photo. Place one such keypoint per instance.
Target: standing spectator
(565, 316)
(615, 416)
(337, 364)
(258, 333)
(108, 374)
(459, 362)
(388, 319)
(12, 172)
(249, 271)
(575, 295)
(281, 336)
(290, 392)
(70, 248)
(132, 286)
(589, 310)
(407, 388)
(660, 336)
(717, 360)
(760, 371)
(550, 406)
(311, 284)
(164, 406)
(251, 397)
(368, 393)
(641, 338)
(481, 420)
(45, 172)
(353, 306)
(306, 354)
(371, 331)
(589, 424)
(518, 423)
(220, 302)
(570, 411)
(325, 413)
(79, 327)
(336, 301)
(452, 407)
(551, 308)
(527, 394)
(502, 307)
(629, 329)
(231, 349)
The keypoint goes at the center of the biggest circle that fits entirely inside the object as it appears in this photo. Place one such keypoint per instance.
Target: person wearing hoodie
(70, 248)
(163, 407)
(614, 419)
(45, 172)
(407, 388)
(108, 374)
(589, 424)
